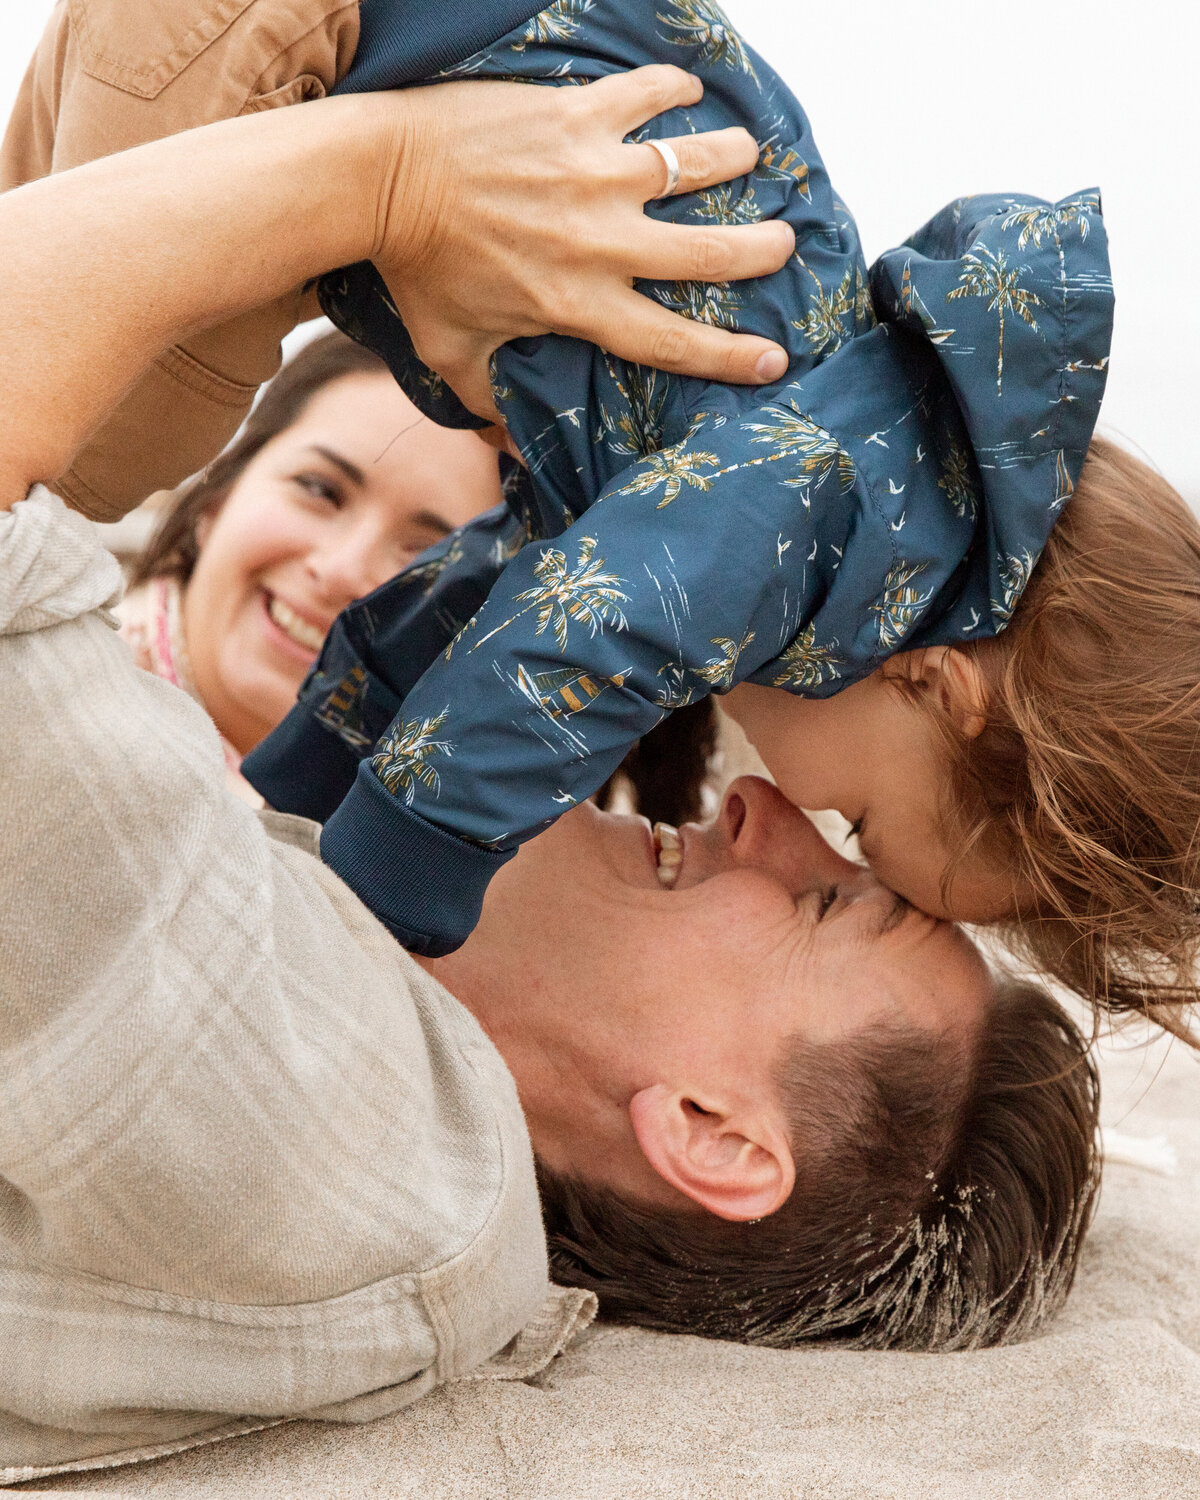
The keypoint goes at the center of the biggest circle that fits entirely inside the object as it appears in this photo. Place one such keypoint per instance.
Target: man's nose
(766, 831)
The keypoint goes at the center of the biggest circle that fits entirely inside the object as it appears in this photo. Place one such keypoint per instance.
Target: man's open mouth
(668, 853)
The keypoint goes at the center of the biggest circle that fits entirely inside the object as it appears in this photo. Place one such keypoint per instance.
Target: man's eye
(828, 897)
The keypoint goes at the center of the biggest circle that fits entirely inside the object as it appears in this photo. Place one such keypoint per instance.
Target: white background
(915, 104)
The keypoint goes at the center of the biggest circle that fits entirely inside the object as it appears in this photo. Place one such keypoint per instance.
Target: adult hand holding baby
(494, 211)
(513, 211)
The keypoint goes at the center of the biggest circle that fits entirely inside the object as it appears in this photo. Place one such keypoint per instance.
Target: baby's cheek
(987, 895)
(909, 866)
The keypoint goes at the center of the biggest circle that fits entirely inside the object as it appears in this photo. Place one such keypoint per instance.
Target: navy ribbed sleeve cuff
(302, 767)
(424, 885)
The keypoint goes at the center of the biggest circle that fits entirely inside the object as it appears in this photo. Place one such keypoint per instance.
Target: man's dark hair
(941, 1199)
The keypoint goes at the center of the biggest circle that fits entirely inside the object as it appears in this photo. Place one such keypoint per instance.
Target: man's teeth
(670, 855)
(293, 626)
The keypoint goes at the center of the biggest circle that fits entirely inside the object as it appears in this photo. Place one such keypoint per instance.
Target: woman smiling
(335, 483)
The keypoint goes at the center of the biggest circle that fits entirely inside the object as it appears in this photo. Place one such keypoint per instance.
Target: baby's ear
(955, 682)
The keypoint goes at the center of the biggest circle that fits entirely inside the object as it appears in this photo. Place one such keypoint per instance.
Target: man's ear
(736, 1168)
(957, 681)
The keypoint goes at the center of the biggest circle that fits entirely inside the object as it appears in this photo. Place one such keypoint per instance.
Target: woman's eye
(318, 487)
(854, 831)
(423, 540)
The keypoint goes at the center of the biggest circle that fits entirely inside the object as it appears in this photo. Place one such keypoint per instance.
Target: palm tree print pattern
(794, 435)
(1014, 575)
(1048, 218)
(956, 482)
(672, 469)
(557, 23)
(864, 308)
(988, 274)
(1064, 485)
(705, 28)
(711, 302)
(586, 593)
(1036, 220)
(805, 665)
(718, 670)
(899, 607)
(822, 325)
(719, 206)
(637, 428)
(778, 164)
(402, 760)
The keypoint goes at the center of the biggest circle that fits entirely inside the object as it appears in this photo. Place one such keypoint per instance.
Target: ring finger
(703, 160)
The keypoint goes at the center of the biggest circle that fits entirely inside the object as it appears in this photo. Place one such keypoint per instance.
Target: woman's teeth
(668, 852)
(293, 626)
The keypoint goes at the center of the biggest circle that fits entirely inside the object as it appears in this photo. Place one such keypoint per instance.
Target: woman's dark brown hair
(174, 547)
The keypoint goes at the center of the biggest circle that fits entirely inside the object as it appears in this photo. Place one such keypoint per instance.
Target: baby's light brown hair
(1086, 780)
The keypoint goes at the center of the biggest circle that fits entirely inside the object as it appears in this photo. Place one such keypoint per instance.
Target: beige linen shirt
(254, 1163)
(111, 74)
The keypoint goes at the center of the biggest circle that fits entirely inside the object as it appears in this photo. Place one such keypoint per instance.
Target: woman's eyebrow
(427, 518)
(351, 470)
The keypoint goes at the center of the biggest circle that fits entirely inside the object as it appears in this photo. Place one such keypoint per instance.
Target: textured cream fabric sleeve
(254, 1162)
(208, 1047)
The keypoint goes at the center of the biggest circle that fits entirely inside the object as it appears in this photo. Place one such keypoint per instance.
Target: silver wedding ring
(671, 162)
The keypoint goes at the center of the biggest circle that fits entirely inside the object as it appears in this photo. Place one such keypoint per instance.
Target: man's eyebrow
(900, 910)
(351, 470)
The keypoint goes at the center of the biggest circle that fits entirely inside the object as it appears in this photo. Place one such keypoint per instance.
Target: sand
(1105, 1405)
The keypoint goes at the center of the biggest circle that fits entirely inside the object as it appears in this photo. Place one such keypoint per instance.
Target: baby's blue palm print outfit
(672, 537)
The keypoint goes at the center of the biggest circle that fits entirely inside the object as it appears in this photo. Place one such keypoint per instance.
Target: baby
(1047, 778)
(860, 537)
(894, 491)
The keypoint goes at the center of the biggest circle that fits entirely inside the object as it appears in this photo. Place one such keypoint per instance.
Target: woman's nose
(354, 565)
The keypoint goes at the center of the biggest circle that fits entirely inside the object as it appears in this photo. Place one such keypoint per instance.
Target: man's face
(591, 974)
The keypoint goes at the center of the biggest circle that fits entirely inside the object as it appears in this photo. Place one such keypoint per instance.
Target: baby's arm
(696, 567)
(373, 655)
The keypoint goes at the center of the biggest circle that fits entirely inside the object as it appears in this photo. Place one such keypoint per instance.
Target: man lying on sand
(255, 1162)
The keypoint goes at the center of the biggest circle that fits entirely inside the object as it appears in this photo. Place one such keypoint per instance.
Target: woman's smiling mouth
(293, 625)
